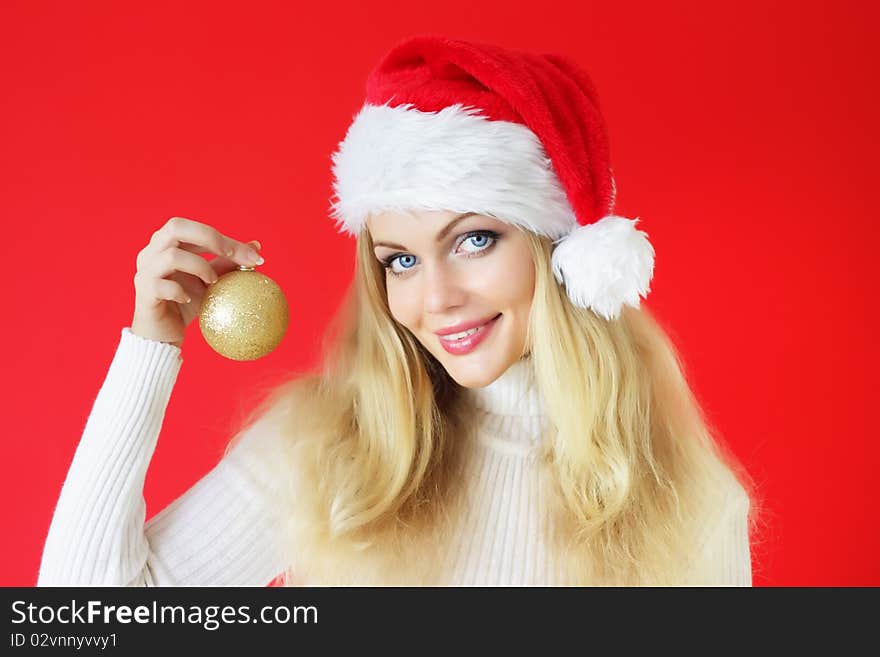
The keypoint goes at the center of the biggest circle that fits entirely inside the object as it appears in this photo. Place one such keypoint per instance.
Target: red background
(743, 135)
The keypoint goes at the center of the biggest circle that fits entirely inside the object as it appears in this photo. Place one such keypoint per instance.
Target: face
(462, 285)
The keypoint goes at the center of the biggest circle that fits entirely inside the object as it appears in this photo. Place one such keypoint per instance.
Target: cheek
(403, 306)
(509, 282)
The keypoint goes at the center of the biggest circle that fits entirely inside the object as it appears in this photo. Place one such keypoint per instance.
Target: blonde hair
(369, 447)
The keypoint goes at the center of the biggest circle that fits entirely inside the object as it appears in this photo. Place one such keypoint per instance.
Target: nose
(441, 288)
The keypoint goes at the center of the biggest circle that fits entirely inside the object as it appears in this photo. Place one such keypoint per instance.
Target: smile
(466, 341)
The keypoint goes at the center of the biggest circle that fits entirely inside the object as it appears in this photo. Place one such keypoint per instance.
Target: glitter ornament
(244, 314)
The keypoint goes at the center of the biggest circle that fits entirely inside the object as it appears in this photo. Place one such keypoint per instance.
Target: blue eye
(406, 260)
(480, 241)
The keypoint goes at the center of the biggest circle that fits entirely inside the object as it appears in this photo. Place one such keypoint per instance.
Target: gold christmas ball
(244, 314)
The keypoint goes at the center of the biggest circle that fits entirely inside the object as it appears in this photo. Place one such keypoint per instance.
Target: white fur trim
(605, 264)
(400, 158)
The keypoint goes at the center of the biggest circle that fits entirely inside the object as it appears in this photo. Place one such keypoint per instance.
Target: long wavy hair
(366, 451)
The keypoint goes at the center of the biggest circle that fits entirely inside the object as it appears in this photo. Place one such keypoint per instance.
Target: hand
(172, 277)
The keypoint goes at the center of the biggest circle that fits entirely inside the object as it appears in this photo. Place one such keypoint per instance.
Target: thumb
(223, 265)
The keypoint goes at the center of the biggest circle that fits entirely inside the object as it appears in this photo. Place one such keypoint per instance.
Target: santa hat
(460, 126)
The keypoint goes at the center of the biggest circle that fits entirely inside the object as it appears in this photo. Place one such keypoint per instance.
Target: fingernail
(255, 258)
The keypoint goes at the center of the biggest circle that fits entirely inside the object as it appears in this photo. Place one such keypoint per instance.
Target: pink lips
(469, 343)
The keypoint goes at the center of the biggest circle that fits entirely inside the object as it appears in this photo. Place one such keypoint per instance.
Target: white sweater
(224, 529)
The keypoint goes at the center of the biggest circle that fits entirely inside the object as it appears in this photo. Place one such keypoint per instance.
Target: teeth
(459, 336)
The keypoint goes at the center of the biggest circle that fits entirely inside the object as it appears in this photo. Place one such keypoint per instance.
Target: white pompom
(605, 265)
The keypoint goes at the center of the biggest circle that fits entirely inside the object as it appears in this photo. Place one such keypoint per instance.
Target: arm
(726, 553)
(224, 530)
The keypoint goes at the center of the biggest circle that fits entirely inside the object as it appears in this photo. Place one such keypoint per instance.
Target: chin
(476, 373)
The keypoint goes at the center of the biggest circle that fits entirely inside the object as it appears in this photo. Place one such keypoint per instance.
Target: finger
(195, 248)
(169, 290)
(222, 264)
(179, 230)
(176, 260)
(194, 285)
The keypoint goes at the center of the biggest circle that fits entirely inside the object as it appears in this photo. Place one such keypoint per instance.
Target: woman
(494, 406)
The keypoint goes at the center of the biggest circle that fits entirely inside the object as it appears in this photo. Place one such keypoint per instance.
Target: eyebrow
(443, 233)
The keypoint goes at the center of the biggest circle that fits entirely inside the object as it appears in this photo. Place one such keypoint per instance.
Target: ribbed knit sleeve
(727, 553)
(222, 531)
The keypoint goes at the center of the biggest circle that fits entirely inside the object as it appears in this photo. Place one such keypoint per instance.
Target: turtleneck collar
(514, 393)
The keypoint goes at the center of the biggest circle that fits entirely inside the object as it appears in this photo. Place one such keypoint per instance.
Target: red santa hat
(460, 126)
